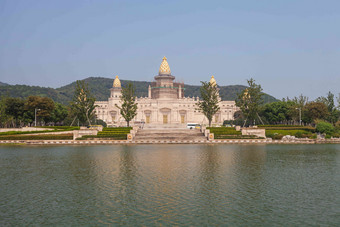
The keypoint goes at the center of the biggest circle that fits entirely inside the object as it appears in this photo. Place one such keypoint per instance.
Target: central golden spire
(213, 81)
(164, 68)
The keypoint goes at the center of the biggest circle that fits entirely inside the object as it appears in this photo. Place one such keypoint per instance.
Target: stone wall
(254, 132)
(84, 132)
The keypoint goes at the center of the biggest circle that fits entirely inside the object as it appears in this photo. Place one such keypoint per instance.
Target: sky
(290, 47)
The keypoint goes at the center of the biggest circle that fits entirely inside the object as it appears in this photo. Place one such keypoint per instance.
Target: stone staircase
(165, 126)
(169, 134)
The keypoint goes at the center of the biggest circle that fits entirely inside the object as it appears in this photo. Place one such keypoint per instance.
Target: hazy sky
(288, 46)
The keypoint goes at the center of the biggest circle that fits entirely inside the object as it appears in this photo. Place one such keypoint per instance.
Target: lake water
(183, 185)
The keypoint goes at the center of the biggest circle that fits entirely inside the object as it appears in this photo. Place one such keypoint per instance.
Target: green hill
(100, 87)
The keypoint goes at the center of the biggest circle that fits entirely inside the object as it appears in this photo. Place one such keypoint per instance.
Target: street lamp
(299, 113)
(35, 117)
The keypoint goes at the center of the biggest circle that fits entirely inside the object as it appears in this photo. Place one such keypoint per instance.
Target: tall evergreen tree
(208, 104)
(250, 100)
(128, 109)
(82, 104)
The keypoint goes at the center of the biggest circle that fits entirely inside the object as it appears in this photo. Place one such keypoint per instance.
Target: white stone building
(165, 104)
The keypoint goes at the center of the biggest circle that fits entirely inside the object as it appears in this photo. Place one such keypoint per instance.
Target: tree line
(43, 111)
(288, 111)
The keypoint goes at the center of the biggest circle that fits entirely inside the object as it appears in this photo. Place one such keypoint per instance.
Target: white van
(191, 125)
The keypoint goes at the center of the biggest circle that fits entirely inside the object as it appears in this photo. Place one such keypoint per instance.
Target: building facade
(165, 104)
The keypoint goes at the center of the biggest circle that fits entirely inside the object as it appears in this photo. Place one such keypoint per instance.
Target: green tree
(59, 113)
(250, 101)
(238, 118)
(332, 110)
(128, 109)
(14, 107)
(315, 110)
(208, 104)
(276, 112)
(43, 105)
(82, 104)
(5, 119)
(300, 101)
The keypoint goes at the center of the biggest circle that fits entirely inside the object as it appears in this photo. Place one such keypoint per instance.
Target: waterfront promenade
(127, 142)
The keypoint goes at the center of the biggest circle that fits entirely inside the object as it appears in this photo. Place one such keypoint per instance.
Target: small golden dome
(116, 82)
(164, 68)
(213, 81)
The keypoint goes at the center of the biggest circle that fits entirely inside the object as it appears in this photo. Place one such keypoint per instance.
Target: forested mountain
(100, 88)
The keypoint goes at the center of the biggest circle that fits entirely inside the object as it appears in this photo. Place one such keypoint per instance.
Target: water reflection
(169, 185)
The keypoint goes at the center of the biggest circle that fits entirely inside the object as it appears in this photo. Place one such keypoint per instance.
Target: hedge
(224, 131)
(64, 128)
(113, 137)
(236, 137)
(68, 136)
(113, 132)
(287, 127)
(118, 129)
(56, 129)
(23, 132)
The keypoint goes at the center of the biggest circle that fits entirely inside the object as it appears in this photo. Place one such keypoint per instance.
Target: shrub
(337, 125)
(325, 127)
(299, 134)
(336, 135)
(314, 136)
(274, 136)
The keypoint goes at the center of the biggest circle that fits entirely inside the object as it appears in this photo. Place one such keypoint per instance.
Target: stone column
(149, 95)
(180, 91)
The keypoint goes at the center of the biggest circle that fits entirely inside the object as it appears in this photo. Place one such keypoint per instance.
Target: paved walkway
(112, 142)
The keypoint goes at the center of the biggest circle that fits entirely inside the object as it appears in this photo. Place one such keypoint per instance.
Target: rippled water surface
(191, 185)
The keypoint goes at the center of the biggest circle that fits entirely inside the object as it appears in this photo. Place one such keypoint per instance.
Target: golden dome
(164, 68)
(213, 81)
(116, 82)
